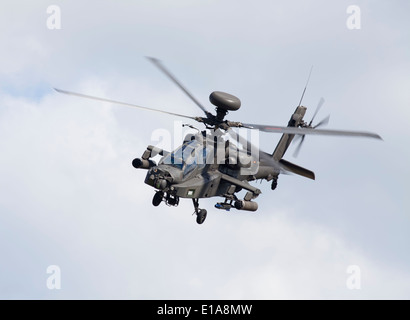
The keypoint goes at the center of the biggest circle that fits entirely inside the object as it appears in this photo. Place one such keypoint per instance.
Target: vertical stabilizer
(286, 139)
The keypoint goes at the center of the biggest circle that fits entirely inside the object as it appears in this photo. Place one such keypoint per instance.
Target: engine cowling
(237, 158)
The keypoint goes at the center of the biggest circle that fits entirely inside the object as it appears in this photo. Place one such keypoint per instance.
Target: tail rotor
(321, 123)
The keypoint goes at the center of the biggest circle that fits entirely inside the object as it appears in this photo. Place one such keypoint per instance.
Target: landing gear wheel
(157, 199)
(201, 216)
(200, 213)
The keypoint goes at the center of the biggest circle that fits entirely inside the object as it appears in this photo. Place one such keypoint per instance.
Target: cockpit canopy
(187, 157)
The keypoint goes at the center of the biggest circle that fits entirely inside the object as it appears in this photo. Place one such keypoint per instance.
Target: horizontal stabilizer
(288, 166)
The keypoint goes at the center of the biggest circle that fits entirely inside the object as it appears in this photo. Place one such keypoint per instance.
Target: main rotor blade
(302, 131)
(122, 103)
(160, 66)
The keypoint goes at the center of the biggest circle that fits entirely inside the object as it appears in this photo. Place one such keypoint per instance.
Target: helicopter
(218, 162)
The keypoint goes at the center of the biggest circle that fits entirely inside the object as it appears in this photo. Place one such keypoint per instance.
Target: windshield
(187, 157)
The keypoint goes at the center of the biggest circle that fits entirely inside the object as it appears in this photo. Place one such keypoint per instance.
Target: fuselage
(194, 170)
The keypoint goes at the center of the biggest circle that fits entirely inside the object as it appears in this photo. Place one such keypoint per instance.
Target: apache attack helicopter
(207, 164)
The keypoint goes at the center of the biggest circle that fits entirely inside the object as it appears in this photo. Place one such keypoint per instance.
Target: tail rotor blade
(324, 122)
(298, 147)
(319, 105)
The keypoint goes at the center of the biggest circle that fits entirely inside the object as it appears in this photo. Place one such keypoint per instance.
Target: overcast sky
(70, 197)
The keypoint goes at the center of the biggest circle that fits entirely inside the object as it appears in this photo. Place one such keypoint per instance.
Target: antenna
(304, 90)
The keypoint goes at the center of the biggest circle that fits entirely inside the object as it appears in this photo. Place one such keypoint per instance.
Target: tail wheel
(274, 184)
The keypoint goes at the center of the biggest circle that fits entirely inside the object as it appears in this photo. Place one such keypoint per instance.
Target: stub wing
(241, 184)
(289, 166)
